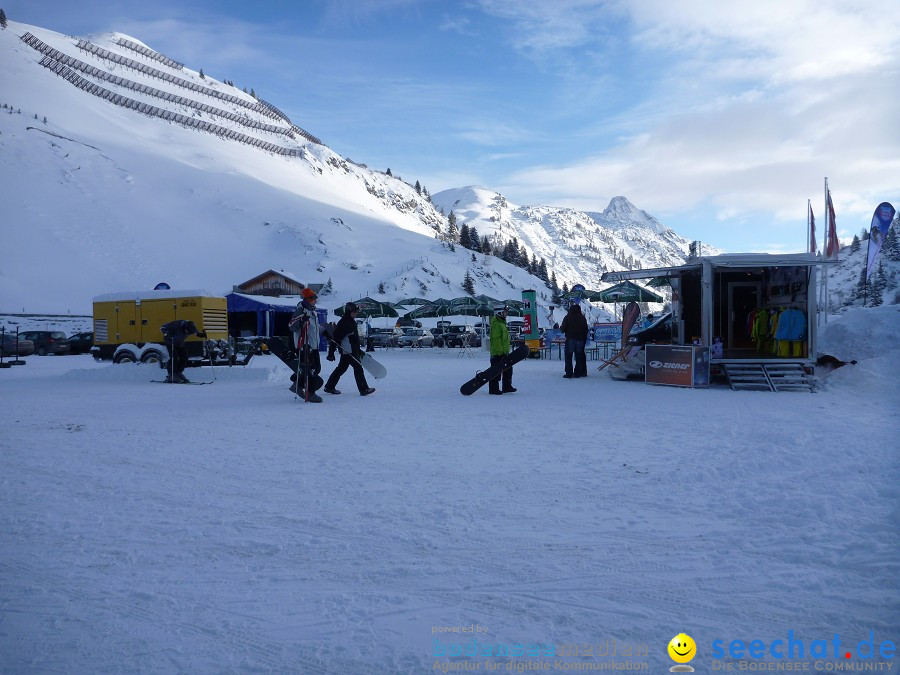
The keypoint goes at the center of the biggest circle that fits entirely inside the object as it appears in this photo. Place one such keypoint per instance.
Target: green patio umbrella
(439, 307)
(627, 291)
(406, 302)
(515, 307)
(370, 309)
(469, 306)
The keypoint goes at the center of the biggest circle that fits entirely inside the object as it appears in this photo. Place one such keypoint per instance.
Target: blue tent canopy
(266, 308)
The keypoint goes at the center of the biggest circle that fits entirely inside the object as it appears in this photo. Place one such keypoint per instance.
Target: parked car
(460, 336)
(47, 341)
(13, 347)
(515, 328)
(81, 343)
(404, 322)
(384, 337)
(416, 337)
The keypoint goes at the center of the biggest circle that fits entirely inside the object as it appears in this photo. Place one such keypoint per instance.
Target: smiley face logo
(682, 648)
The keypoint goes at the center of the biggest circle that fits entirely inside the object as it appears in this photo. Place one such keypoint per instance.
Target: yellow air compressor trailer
(127, 326)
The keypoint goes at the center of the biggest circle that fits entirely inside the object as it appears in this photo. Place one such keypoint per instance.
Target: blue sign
(607, 332)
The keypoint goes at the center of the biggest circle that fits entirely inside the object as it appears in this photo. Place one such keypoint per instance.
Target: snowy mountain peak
(622, 211)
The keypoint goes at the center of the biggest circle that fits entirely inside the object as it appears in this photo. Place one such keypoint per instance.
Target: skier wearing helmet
(499, 349)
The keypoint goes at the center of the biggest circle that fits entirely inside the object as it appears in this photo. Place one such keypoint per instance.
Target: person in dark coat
(346, 338)
(575, 328)
(175, 334)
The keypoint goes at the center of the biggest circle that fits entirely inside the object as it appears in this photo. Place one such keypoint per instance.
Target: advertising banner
(701, 366)
(607, 332)
(881, 223)
(529, 314)
(669, 365)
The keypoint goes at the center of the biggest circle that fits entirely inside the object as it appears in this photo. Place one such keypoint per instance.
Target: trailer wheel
(152, 356)
(125, 357)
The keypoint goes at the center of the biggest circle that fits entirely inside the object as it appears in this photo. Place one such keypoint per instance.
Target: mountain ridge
(177, 177)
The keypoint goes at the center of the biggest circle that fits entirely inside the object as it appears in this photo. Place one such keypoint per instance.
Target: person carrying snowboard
(346, 338)
(175, 333)
(499, 339)
(304, 326)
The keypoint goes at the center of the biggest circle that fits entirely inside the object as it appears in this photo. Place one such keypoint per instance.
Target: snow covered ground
(230, 528)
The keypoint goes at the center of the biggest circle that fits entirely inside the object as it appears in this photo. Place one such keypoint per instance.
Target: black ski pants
(505, 377)
(359, 375)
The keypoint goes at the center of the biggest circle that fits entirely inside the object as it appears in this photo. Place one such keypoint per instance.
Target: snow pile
(870, 336)
(861, 333)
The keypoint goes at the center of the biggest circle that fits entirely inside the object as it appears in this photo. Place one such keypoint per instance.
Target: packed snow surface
(231, 527)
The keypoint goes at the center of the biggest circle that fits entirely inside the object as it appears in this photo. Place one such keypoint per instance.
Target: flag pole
(824, 251)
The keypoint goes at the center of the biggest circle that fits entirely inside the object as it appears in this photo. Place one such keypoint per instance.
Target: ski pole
(209, 354)
(297, 374)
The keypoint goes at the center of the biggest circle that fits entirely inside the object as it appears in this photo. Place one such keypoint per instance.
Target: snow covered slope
(100, 197)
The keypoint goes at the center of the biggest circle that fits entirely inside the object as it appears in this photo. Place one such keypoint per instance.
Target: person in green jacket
(499, 349)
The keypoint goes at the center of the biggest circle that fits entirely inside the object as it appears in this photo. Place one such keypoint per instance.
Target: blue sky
(719, 118)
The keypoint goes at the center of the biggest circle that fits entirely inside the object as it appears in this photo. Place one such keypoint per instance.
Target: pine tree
(381, 287)
(418, 188)
(2, 18)
(854, 246)
(862, 287)
(464, 239)
(474, 239)
(542, 270)
(388, 172)
(468, 284)
(892, 243)
(878, 286)
(486, 245)
(202, 76)
(452, 231)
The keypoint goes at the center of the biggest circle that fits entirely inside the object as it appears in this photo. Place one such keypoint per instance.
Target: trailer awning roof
(742, 260)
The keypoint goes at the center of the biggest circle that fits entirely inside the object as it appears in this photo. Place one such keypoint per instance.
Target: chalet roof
(281, 273)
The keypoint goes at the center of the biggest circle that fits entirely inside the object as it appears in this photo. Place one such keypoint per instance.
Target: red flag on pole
(813, 246)
(833, 246)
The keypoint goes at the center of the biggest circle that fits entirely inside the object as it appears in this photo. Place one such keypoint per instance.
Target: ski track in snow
(233, 528)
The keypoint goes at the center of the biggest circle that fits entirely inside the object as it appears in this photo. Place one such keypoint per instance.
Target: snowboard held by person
(304, 325)
(345, 338)
(499, 341)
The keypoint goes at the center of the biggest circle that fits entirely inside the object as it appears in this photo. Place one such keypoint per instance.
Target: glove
(202, 334)
(330, 356)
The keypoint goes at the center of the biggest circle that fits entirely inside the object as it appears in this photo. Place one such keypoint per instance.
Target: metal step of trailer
(747, 376)
(768, 377)
(789, 377)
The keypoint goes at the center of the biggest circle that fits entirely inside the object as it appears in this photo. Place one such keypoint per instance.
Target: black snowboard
(483, 377)
(282, 348)
(191, 383)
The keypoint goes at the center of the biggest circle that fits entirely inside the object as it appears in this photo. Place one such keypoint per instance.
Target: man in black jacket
(575, 327)
(175, 333)
(346, 339)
